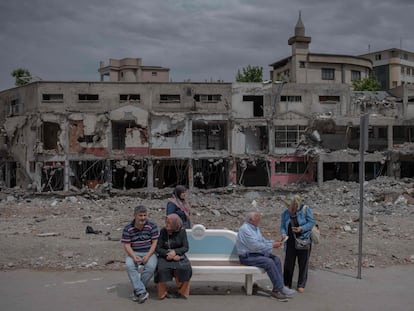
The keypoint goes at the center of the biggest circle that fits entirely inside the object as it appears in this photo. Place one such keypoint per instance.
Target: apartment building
(392, 67)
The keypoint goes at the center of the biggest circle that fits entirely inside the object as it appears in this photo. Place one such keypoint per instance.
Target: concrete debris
(335, 205)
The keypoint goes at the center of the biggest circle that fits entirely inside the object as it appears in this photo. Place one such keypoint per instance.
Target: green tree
(250, 74)
(22, 76)
(366, 84)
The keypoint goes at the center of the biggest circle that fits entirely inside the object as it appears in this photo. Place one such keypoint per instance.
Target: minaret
(300, 50)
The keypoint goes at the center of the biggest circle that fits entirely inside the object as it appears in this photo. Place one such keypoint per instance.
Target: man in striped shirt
(140, 238)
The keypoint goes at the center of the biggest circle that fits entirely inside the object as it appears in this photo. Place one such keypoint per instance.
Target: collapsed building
(138, 130)
(59, 135)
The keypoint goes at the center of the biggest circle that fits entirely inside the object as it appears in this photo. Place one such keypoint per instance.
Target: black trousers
(290, 260)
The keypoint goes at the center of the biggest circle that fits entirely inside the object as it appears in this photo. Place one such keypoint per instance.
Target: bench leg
(248, 284)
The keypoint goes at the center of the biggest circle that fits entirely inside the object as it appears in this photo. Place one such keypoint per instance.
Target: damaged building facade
(59, 135)
(138, 130)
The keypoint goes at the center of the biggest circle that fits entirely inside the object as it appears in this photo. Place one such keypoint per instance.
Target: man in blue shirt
(140, 237)
(255, 250)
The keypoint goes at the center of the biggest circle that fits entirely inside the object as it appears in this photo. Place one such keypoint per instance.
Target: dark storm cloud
(198, 39)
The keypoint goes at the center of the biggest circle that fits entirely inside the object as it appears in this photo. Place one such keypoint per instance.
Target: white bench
(213, 251)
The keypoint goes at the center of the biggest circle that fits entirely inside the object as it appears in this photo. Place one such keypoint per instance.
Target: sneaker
(279, 296)
(287, 291)
(142, 297)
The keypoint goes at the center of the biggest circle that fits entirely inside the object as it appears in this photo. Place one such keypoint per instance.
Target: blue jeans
(140, 280)
(270, 263)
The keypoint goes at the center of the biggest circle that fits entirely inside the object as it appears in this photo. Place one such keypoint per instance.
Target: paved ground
(379, 289)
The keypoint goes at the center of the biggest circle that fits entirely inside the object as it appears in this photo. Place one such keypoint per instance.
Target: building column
(390, 139)
(190, 174)
(66, 179)
(150, 174)
(38, 176)
(108, 173)
(320, 171)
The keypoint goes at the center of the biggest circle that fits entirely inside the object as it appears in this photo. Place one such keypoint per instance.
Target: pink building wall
(284, 179)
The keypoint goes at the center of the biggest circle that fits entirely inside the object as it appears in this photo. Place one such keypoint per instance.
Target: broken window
(170, 98)
(50, 135)
(209, 135)
(119, 131)
(52, 176)
(214, 98)
(88, 97)
(253, 173)
(88, 173)
(402, 134)
(170, 173)
(129, 174)
(211, 173)
(290, 167)
(129, 97)
(8, 173)
(328, 99)
(328, 73)
(257, 104)
(52, 98)
(255, 138)
(288, 136)
(15, 107)
(291, 98)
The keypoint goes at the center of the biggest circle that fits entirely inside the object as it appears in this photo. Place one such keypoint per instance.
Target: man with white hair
(255, 250)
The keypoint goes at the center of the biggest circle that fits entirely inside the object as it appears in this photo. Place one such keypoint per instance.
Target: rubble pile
(76, 231)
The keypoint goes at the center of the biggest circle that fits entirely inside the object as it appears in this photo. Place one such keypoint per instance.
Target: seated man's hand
(277, 244)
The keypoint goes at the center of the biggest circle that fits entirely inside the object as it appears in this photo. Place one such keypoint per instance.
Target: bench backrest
(211, 244)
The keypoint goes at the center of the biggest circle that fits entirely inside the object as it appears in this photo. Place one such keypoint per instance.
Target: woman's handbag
(302, 244)
(315, 234)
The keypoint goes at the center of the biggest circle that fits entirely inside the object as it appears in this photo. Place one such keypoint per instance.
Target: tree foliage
(250, 74)
(22, 76)
(366, 84)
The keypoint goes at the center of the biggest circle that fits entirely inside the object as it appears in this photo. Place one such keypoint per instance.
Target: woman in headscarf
(172, 261)
(296, 222)
(178, 205)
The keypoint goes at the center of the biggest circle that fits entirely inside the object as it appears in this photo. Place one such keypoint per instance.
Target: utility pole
(363, 146)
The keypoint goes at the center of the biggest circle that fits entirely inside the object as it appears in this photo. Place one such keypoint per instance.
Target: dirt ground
(48, 231)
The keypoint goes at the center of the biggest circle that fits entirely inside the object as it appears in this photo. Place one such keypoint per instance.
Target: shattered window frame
(207, 98)
(83, 97)
(129, 97)
(258, 104)
(329, 99)
(287, 136)
(15, 107)
(170, 98)
(52, 97)
(291, 167)
(209, 136)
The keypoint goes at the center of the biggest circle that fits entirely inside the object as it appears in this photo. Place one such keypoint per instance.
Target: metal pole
(363, 146)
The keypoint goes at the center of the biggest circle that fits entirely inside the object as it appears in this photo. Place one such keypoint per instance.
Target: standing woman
(296, 222)
(178, 205)
(172, 261)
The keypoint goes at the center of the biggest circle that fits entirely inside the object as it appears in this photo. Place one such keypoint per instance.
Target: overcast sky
(59, 40)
